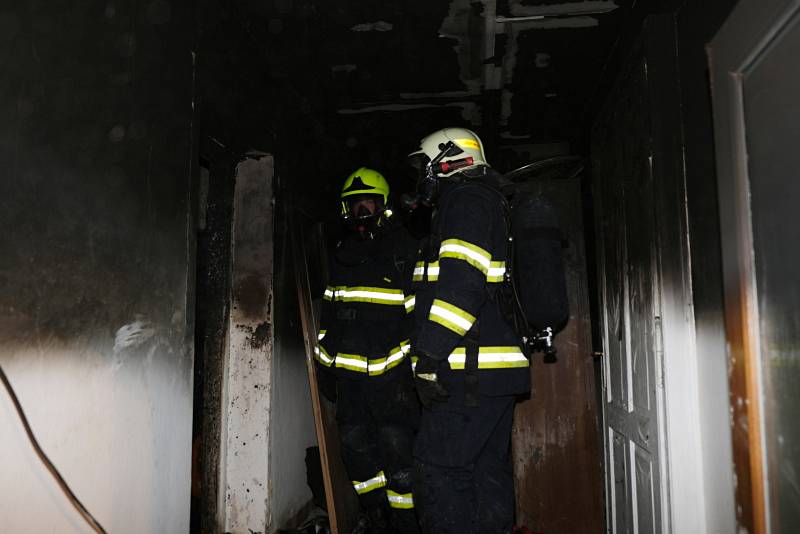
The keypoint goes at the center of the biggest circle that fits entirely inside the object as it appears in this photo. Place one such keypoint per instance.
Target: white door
(623, 189)
(755, 60)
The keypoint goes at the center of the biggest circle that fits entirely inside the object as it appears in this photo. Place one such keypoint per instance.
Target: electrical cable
(87, 516)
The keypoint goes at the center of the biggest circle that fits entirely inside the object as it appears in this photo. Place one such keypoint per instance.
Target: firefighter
(468, 365)
(362, 354)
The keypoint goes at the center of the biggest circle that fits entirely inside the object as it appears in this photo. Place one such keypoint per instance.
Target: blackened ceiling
(330, 86)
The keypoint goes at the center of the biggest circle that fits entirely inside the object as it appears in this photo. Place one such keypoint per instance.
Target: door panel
(623, 188)
(757, 111)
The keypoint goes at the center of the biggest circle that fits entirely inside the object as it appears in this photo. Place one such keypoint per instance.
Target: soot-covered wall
(96, 261)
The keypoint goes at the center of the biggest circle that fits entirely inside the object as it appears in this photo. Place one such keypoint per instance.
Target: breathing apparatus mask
(431, 171)
(364, 214)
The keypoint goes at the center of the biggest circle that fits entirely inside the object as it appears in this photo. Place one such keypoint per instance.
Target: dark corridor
(123, 130)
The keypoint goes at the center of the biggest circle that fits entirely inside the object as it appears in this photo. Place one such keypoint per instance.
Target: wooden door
(756, 83)
(556, 450)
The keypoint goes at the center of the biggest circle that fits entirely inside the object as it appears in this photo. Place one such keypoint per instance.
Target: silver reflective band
(490, 358)
(378, 481)
(342, 360)
(346, 294)
(400, 500)
(460, 249)
(451, 317)
(419, 271)
(382, 365)
(496, 273)
(322, 355)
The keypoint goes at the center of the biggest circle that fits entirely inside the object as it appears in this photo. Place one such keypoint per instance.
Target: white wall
(292, 428)
(116, 424)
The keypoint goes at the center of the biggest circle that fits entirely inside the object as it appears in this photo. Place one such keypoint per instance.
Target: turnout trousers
(463, 480)
(377, 421)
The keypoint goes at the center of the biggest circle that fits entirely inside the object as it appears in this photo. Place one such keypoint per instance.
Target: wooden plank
(555, 442)
(342, 501)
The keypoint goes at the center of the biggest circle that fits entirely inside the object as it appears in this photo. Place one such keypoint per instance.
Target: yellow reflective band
(321, 334)
(451, 317)
(375, 295)
(467, 143)
(497, 271)
(403, 501)
(462, 250)
(381, 365)
(378, 481)
(414, 360)
(353, 362)
(329, 291)
(322, 356)
(411, 300)
(490, 358)
(373, 366)
(419, 272)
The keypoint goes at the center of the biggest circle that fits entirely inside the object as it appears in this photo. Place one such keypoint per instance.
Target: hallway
(171, 196)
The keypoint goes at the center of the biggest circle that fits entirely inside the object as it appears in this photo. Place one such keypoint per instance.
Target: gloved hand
(426, 379)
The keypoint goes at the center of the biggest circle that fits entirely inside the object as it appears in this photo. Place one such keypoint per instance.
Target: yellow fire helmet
(467, 145)
(365, 182)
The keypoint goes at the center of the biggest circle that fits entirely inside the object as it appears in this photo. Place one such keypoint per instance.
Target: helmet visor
(361, 207)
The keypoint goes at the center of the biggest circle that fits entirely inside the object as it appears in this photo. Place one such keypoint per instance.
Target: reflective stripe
(377, 367)
(378, 481)
(354, 362)
(373, 366)
(376, 295)
(490, 358)
(321, 334)
(419, 271)
(322, 356)
(411, 300)
(414, 360)
(400, 500)
(496, 273)
(451, 317)
(328, 293)
(462, 250)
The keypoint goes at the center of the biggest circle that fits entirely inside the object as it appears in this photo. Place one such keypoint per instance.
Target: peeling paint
(133, 335)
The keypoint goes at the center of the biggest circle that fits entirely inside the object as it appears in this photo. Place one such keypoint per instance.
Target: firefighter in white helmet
(468, 365)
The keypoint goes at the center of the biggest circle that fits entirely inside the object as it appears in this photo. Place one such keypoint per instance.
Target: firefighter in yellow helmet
(362, 356)
(469, 366)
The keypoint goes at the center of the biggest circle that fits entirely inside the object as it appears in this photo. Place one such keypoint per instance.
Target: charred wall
(96, 260)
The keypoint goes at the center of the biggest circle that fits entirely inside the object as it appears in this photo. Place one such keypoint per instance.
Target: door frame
(748, 31)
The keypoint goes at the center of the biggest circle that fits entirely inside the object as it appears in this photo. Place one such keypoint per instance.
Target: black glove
(426, 379)
(326, 382)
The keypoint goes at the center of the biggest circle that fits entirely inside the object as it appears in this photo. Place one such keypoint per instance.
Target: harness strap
(471, 350)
